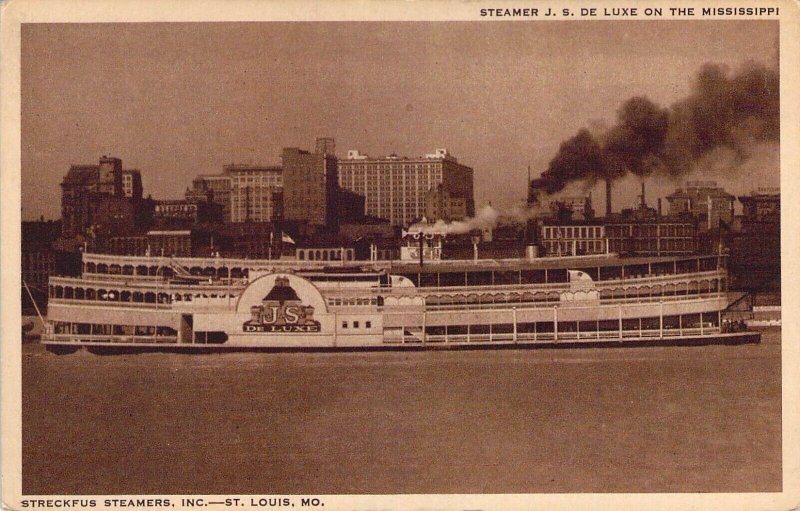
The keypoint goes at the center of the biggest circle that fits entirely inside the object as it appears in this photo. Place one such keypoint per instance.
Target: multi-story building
(132, 184)
(217, 186)
(560, 239)
(578, 208)
(310, 185)
(186, 213)
(705, 202)
(755, 261)
(171, 243)
(90, 193)
(762, 208)
(395, 188)
(109, 176)
(349, 207)
(256, 193)
(38, 259)
(441, 205)
(247, 193)
(658, 237)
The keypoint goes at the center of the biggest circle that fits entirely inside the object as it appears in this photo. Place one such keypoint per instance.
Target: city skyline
(168, 99)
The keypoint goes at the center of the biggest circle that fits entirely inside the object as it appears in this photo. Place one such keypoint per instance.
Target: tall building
(310, 184)
(704, 201)
(85, 192)
(755, 261)
(109, 178)
(132, 184)
(396, 188)
(247, 193)
(761, 208)
(440, 205)
(256, 193)
(219, 188)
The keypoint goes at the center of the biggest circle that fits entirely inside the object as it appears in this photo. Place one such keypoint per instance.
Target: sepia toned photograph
(285, 258)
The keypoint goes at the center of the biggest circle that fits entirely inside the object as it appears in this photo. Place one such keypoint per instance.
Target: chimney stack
(644, 205)
(608, 197)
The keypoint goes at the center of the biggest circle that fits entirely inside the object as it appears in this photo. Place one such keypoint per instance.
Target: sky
(180, 99)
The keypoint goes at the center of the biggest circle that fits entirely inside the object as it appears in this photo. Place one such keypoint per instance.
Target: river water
(671, 419)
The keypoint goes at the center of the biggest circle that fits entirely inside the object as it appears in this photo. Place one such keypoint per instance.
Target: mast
(30, 295)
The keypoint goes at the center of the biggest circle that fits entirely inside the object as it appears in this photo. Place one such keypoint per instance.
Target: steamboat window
(686, 266)
(557, 275)
(672, 322)
(506, 277)
(567, 326)
(630, 324)
(344, 324)
(526, 328)
(456, 330)
(478, 329)
(710, 319)
(428, 279)
(587, 326)
(413, 277)
(652, 323)
(708, 264)
(608, 325)
(636, 270)
(532, 276)
(503, 328)
(368, 324)
(435, 330)
(451, 279)
(479, 278)
(355, 324)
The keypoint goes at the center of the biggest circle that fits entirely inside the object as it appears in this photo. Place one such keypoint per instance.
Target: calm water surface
(674, 419)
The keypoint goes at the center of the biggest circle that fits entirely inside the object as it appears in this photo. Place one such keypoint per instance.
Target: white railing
(121, 339)
(552, 337)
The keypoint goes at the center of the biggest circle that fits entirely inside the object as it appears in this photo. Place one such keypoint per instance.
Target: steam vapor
(733, 114)
(486, 218)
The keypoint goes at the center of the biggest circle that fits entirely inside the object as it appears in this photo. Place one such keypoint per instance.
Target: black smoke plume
(734, 112)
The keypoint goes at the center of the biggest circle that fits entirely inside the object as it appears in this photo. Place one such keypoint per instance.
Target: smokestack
(659, 207)
(644, 205)
(608, 197)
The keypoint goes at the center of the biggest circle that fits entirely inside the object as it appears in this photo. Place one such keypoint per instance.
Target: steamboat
(420, 301)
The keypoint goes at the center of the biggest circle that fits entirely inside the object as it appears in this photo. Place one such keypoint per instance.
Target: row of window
(64, 327)
(104, 295)
(572, 232)
(163, 271)
(693, 288)
(334, 254)
(676, 322)
(563, 247)
(375, 300)
(671, 230)
(345, 167)
(355, 324)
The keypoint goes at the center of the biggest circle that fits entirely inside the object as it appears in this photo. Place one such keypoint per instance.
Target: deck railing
(121, 339)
